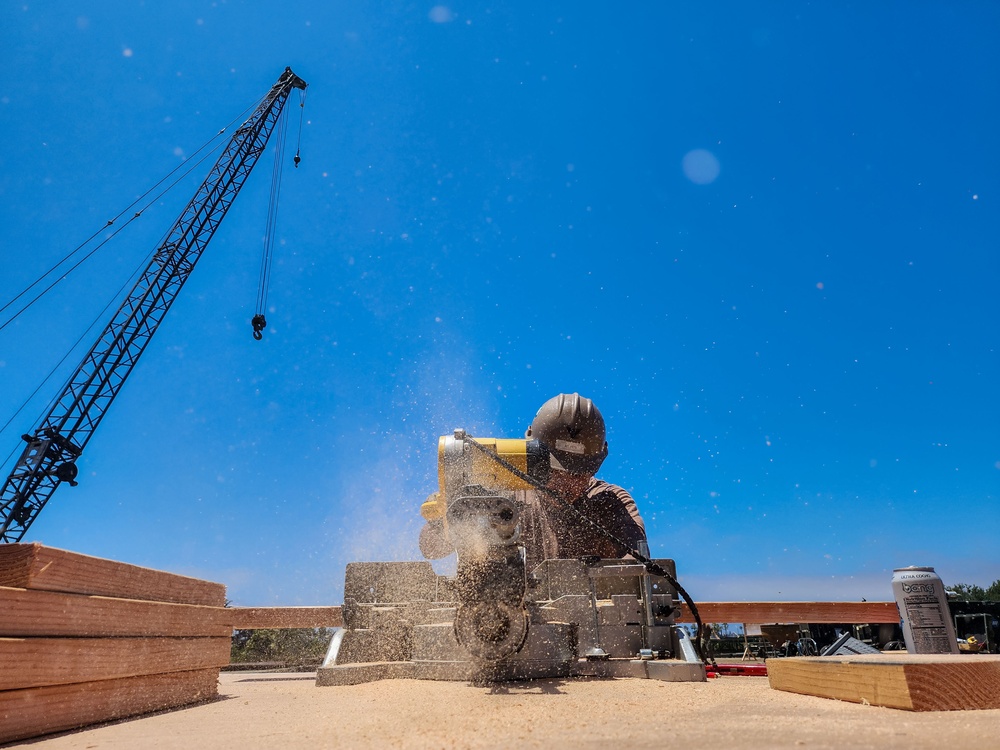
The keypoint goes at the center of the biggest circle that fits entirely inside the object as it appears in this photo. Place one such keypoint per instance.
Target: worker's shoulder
(598, 487)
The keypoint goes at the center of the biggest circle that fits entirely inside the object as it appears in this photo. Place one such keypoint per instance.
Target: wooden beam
(915, 682)
(254, 618)
(34, 566)
(762, 613)
(34, 662)
(47, 613)
(35, 711)
(747, 612)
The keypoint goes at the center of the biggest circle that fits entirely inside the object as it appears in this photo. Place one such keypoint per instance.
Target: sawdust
(259, 710)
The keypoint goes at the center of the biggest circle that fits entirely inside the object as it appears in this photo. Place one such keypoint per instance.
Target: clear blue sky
(761, 236)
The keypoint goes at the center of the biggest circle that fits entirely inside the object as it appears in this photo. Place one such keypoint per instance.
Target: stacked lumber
(85, 640)
(915, 682)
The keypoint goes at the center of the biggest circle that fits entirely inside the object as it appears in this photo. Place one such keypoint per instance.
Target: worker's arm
(621, 514)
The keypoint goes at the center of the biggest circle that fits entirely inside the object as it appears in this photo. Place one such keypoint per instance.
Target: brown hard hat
(572, 429)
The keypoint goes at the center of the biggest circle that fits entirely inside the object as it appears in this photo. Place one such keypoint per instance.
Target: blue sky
(761, 236)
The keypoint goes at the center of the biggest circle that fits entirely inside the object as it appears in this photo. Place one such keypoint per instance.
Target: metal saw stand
(604, 618)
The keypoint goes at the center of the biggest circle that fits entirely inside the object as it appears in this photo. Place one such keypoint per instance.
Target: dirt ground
(267, 710)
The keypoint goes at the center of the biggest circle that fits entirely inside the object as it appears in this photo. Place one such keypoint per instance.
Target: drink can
(923, 608)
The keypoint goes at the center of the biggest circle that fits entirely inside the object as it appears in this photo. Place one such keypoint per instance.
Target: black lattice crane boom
(49, 458)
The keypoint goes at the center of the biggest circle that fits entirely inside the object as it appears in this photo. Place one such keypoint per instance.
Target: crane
(52, 449)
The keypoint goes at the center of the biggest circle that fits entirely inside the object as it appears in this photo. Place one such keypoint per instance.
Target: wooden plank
(34, 566)
(48, 613)
(915, 682)
(762, 613)
(251, 618)
(34, 662)
(37, 711)
(746, 612)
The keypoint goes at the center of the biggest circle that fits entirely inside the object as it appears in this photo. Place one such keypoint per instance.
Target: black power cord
(652, 567)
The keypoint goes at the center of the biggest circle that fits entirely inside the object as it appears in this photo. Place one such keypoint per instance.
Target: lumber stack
(85, 640)
(915, 682)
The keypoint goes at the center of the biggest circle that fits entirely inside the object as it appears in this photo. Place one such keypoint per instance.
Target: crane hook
(259, 324)
(297, 159)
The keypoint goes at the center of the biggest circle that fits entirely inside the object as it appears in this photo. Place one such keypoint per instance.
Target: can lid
(913, 567)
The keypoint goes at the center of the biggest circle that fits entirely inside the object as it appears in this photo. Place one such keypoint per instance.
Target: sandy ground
(267, 710)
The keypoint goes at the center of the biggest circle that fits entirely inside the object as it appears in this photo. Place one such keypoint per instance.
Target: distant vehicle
(977, 624)
(972, 645)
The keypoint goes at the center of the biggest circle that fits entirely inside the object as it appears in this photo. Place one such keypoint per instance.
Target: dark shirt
(558, 529)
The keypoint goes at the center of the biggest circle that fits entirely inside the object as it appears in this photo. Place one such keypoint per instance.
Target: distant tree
(240, 639)
(293, 647)
(724, 630)
(970, 592)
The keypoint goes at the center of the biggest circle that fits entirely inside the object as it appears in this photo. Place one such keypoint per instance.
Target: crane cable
(298, 143)
(259, 321)
(128, 283)
(190, 166)
(118, 294)
(97, 319)
(76, 265)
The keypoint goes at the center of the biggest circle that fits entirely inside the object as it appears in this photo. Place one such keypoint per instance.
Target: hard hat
(573, 430)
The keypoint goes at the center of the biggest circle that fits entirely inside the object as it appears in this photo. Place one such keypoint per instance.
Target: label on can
(923, 608)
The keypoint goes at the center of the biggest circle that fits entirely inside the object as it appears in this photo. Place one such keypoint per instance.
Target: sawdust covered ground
(260, 710)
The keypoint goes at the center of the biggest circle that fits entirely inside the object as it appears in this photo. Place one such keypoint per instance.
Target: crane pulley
(49, 458)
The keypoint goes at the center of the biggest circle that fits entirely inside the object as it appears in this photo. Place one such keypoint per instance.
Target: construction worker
(577, 515)
(580, 515)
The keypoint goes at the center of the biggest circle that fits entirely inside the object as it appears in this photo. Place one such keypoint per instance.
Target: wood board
(915, 682)
(34, 566)
(35, 711)
(252, 618)
(35, 662)
(762, 613)
(746, 612)
(24, 613)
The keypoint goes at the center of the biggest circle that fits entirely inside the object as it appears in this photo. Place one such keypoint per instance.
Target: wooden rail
(764, 613)
(758, 613)
(255, 618)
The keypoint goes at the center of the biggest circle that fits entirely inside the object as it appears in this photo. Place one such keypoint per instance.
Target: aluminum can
(923, 608)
